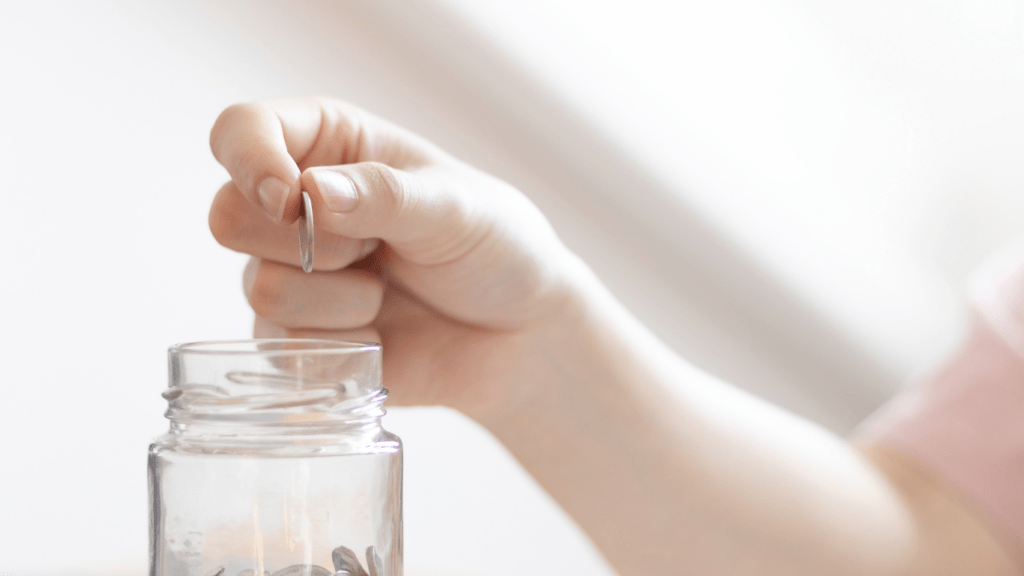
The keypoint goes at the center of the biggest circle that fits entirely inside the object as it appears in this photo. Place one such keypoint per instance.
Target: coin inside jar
(346, 561)
(306, 233)
(303, 570)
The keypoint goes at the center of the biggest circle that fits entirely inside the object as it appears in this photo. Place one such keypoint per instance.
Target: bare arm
(673, 472)
(481, 308)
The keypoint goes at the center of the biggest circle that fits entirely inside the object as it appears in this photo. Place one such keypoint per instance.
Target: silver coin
(345, 560)
(303, 570)
(172, 394)
(306, 233)
(373, 562)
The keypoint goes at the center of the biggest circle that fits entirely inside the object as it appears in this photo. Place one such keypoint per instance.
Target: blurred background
(791, 193)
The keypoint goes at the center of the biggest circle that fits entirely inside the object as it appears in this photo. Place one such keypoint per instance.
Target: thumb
(466, 244)
(424, 216)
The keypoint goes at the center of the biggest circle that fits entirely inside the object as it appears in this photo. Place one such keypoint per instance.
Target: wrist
(534, 357)
(589, 424)
(584, 355)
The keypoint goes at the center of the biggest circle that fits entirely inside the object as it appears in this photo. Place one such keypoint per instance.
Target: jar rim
(274, 346)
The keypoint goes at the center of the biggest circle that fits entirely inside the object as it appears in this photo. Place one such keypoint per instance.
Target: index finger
(265, 145)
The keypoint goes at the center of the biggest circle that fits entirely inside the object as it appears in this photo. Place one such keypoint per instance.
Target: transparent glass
(275, 463)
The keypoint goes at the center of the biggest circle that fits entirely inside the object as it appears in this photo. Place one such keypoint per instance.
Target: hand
(454, 271)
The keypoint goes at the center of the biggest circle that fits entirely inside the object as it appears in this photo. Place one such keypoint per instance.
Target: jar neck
(247, 393)
(355, 428)
(199, 410)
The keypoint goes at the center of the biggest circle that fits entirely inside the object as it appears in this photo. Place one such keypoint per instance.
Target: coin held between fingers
(306, 233)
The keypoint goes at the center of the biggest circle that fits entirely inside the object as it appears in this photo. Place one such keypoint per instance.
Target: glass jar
(275, 463)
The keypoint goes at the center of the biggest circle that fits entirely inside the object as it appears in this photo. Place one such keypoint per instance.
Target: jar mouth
(288, 410)
(275, 347)
(287, 382)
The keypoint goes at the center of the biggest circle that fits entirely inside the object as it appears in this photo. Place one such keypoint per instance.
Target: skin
(480, 307)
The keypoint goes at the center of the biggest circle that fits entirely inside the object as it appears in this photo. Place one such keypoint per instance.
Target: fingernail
(273, 195)
(338, 192)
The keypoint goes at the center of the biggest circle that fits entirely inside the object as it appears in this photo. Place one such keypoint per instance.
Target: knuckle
(382, 177)
(400, 201)
(247, 168)
(267, 296)
(373, 298)
(364, 299)
(227, 119)
(225, 225)
(335, 254)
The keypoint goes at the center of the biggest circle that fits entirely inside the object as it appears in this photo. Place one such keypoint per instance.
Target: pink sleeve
(966, 421)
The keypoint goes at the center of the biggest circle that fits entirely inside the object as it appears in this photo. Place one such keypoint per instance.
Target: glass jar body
(300, 488)
(260, 513)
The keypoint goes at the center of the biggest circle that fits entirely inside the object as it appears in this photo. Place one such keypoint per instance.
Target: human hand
(454, 271)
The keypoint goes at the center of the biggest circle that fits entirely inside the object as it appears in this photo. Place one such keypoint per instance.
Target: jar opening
(275, 382)
(275, 346)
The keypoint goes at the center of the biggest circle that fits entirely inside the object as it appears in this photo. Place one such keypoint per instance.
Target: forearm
(670, 471)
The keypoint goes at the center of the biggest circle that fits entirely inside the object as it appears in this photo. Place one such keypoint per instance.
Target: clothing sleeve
(966, 420)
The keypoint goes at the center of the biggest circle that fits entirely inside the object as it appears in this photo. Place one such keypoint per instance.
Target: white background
(839, 168)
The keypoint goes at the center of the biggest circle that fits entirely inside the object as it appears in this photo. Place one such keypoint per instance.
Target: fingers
(381, 182)
(249, 141)
(263, 145)
(423, 216)
(239, 225)
(464, 243)
(263, 328)
(286, 296)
